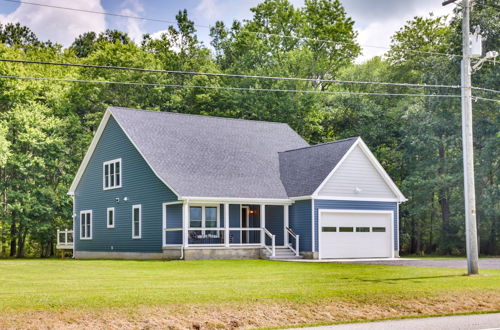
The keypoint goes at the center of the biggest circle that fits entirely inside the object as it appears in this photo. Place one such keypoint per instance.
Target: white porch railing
(216, 236)
(65, 239)
(296, 237)
(271, 250)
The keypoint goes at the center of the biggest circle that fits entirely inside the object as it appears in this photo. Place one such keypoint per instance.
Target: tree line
(46, 126)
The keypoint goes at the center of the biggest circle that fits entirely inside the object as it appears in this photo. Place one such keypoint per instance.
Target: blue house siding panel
(234, 222)
(356, 205)
(174, 220)
(300, 222)
(275, 223)
(139, 184)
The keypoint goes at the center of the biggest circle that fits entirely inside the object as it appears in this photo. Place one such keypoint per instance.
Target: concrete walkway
(484, 263)
(461, 322)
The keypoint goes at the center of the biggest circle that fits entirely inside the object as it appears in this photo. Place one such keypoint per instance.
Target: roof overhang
(237, 200)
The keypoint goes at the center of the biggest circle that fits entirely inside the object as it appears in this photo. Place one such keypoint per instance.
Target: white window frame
(137, 206)
(107, 217)
(113, 161)
(87, 236)
(203, 227)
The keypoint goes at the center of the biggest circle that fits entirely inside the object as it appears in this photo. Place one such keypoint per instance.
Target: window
(110, 222)
(329, 229)
(378, 229)
(86, 224)
(204, 217)
(362, 229)
(112, 174)
(136, 221)
(346, 229)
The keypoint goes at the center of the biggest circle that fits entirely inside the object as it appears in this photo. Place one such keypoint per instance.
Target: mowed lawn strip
(65, 284)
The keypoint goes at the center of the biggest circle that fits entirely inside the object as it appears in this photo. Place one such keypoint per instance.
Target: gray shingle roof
(203, 156)
(303, 170)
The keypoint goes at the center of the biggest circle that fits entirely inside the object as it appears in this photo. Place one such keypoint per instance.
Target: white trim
(73, 215)
(107, 217)
(203, 216)
(113, 161)
(89, 237)
(263, 224)
(233, 200)
(364, 199)
(185, 223)
(164, 223)
(300, 198)
(397, 233)
(137, 206)
(172, 203)
(286, 223)
(321, 211)
(92, 147)
(313, 236)
(226, 224)
(387, 179)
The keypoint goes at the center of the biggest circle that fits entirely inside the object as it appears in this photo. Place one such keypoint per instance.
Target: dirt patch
(246, 316)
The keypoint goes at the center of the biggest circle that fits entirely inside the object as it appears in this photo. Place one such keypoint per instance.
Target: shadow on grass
(410, 278)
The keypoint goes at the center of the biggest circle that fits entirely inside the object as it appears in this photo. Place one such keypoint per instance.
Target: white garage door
(352, 234)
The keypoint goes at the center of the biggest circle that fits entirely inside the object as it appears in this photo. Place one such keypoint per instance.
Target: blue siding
(174, 220)
(300, 222)
(234, 222)
(275, 223)
(139, 184)
(356, 205)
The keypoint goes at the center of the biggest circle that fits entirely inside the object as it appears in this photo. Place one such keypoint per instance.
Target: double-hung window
(136, 221)
(204, 217)
(110, 217)
(112, 174)
(86, 224)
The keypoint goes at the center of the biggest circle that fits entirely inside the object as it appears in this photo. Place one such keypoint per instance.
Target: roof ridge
(198, 115)
(322, 144)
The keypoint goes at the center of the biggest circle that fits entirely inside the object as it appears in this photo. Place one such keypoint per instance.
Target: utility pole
(467, 143)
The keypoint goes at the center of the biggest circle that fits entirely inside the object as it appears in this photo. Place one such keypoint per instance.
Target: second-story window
(112, 174)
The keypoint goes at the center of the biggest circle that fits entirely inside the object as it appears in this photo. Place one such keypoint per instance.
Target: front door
(245, 211)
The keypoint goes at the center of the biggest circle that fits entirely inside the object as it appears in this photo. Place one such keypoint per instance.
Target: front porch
(201, 230)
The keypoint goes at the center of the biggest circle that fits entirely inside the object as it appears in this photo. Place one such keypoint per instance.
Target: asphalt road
(461, 322)
(484, 263)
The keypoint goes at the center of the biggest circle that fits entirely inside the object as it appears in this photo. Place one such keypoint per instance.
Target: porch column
(286, 224)
(262, 224)
(226, 224)
(185, 223)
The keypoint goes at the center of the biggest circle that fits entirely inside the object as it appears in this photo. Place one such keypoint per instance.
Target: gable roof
(204, 156)
(303, 170)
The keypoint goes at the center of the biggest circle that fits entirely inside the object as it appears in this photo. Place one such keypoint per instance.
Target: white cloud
(133, 26)
(378, 30)
(58, 25)
(209, 9)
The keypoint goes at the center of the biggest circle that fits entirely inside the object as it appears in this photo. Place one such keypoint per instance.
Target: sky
(375, 20)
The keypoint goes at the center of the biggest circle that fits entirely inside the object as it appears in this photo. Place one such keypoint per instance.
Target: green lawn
(55, 284)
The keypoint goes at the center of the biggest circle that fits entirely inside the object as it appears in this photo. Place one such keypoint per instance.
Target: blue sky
(376, 20)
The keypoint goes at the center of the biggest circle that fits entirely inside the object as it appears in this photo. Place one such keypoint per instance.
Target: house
(167, 186)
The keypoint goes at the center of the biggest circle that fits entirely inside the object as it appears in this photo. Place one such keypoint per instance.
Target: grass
(218, 293)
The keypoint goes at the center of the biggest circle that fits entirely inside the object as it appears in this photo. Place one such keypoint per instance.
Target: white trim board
(364, 148)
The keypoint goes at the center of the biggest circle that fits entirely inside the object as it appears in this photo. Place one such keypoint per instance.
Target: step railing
(65, 239)
(296, 237)
(272, 249)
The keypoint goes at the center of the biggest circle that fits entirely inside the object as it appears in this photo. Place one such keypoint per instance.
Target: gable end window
(86, 224)
(110, 217)
(112, 174)
(136, 221)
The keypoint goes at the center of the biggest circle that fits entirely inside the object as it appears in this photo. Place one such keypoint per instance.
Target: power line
(225, 88)
(484, 99)
(241, 31)
(337, 81)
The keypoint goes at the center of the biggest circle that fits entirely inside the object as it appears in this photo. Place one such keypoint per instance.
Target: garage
(355, 234)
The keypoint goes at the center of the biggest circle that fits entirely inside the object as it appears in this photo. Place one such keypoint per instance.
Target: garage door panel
(355, 244)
